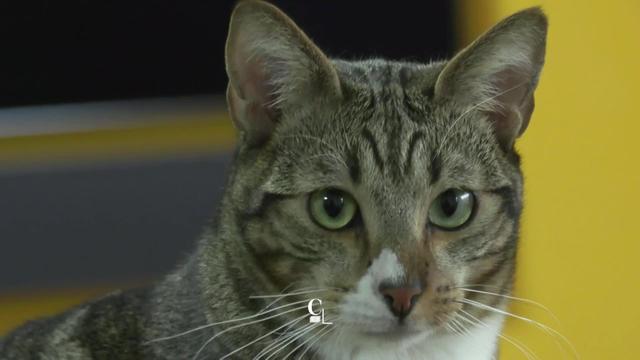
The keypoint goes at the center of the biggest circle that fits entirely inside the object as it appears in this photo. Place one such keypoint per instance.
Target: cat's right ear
(498, 73)
(272, 67)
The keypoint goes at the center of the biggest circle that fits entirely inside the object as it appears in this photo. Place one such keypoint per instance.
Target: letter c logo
(310, 306)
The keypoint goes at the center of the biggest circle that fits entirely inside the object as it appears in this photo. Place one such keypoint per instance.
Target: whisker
(525, 350)
(530, 355)
(304, 342)
(535, 303)
(285, 331)
(461, 329)
(298, 347)
(451, 329)
(281, 338)
(301, 344)
(202, 327)
(497, 288)
(459, 316)
(549, 330)
(318, 336)
(517, 342)
(282, 297)
(448, 326)
(292, 294)
(242, 325)
(292, 339)
(482, 285)
(262, 337)
(520, 346)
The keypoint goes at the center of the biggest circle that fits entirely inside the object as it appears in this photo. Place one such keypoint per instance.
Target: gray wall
(104, 224)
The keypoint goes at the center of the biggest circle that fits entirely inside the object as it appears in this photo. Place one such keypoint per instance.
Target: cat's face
(373, 193)
(390, 191)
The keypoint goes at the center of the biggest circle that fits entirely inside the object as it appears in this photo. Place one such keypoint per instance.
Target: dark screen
(67, 51)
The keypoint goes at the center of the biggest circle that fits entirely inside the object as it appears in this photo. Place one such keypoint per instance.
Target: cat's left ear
(273, 68)
(498, 73)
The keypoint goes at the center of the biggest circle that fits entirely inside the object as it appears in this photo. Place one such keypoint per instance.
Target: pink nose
(400, 299)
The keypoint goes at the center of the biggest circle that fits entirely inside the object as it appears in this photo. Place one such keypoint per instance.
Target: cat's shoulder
(109, 326)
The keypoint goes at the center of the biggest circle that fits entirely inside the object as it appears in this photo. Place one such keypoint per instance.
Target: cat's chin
(395, 333)
(355, 343)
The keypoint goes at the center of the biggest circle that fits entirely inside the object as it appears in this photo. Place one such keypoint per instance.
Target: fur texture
(395, 136)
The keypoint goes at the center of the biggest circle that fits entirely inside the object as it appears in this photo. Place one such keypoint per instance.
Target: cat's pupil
(333, 203)
(449, 203)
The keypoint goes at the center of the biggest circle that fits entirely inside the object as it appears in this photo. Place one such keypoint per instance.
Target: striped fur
(394, 135)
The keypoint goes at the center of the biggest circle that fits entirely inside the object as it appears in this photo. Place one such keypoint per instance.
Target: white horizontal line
(64, 118)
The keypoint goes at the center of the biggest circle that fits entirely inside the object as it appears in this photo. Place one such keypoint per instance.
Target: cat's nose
(400, 299)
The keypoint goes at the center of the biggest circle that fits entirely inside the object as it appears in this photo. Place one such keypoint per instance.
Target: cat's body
(388, 190)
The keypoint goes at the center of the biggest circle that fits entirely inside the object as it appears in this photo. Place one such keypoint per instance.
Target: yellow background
(580, 249)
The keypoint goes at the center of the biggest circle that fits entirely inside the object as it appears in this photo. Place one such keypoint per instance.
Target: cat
(381, 197)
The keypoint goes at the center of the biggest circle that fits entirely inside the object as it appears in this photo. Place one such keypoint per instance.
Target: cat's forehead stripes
(401, 129)
(353, 163)
(414, 140)
(384, 147)
(435, 168)
(372, 145)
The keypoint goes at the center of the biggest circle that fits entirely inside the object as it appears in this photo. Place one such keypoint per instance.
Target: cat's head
(389, 190)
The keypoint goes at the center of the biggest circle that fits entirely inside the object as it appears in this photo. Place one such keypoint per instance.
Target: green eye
(452, 209)
(332, 209)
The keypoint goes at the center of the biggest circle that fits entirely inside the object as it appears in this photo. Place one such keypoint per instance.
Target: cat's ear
(498, 73)
(272, 67)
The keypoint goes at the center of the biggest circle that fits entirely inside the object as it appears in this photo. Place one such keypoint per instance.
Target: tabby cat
(382, 196)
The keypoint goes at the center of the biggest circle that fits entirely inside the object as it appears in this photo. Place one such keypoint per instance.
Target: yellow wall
(580, 250)
(16, 309)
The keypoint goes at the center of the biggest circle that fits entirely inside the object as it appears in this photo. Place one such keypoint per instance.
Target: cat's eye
(332, 209)
(452, 209)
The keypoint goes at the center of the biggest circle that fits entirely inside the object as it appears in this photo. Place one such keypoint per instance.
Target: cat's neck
(195, 298)
(216, 285)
